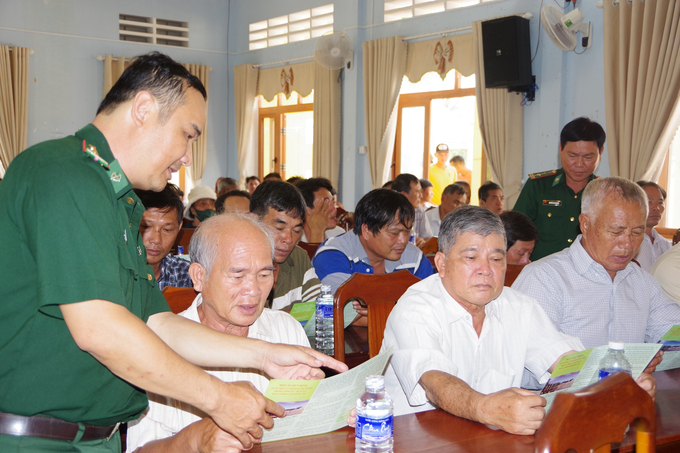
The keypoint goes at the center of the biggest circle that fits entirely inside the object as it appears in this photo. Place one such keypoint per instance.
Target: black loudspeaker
(507, 52)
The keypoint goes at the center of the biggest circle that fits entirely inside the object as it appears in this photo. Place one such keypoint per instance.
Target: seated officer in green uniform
(552, 199)
(84, 329)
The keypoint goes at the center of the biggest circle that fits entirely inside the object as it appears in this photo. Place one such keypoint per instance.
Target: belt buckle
(115, 429)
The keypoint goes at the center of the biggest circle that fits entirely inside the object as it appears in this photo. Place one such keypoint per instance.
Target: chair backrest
(345, 219)
(430, 246)
(593, 418)
(184, 238)
(309, 247)
(179, 299)
(512, 272)
(380, 293)
(676, 237)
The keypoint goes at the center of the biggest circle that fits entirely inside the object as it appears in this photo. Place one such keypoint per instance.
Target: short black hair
(402, 183)
(457, 159)
(453, 189)
(518, 227)
(295, 179)
(465, 185)
(644, 184)
(160, 75)
(272, 175)
(226, 182)
(250, 178)
(485, 188)
(379, 207)
(308, 186)
(219, 202)
(387, 185)
(425, 183)
(583, 129)
(165, 200)
(279, 195)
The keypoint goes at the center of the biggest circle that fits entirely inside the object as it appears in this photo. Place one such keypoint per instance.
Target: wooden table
(438, 431)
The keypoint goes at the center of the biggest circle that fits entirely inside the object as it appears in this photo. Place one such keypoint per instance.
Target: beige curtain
(114, 67)
(199, 150)
(642, 74)
(501, 123)
(13, 102)
(286, 79)
(327, 116)
(384, 67)
(441, 55)
(245, 91)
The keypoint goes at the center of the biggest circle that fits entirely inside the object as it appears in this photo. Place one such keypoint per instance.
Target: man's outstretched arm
(514, 410)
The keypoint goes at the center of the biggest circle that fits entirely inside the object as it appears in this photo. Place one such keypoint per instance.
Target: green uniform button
(569, 241)
(571, 219)
(130, 200)
(549, 214)
(575, 196)
(150, 277)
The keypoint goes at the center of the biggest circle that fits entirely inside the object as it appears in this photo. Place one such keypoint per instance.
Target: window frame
(424, 99)
(278, 114)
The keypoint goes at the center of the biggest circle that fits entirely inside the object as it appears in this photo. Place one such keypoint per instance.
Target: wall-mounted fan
(562, 28)
(334, 50)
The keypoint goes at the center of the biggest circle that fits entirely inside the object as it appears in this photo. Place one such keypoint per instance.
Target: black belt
(51, 428)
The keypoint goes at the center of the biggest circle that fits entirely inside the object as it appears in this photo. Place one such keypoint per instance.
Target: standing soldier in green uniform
(552, 199)
(83, 326)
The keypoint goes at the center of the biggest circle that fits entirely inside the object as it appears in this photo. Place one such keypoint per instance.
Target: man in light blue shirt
(591, 290)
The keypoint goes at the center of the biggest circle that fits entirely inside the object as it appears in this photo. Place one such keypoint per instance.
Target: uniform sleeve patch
(542, 174)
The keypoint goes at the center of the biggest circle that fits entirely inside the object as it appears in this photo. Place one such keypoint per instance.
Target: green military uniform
(554, 208)
(70, 233)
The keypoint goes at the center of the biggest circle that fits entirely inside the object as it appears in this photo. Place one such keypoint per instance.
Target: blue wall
(66, 78)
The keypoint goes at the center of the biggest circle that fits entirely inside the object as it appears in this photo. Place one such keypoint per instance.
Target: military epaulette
(542, 174)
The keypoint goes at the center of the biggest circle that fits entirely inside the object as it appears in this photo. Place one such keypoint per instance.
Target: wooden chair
(380, 293)
(309, 247)
(676, 237)
(345, 219)
(179, 299)
(596, 416)
(512, 272)
(184, 238)
(431, 246)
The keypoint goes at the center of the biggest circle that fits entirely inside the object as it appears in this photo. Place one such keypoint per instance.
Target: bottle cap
(616, 345)
(325, 289)
(375, 382)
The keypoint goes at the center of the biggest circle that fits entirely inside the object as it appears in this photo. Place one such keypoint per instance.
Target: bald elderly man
(232, 269)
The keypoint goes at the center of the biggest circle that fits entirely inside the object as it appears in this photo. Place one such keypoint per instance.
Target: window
(294, 27)
(669, 181)
(286, 132)
(434, 111)
(153, 31)
(406, 9)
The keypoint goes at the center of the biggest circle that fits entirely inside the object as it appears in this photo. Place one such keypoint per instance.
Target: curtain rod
(454, 30)
(283, 62)
(30, 51)
(128, 60)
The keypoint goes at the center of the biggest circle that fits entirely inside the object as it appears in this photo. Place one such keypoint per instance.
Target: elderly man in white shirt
(461, 340)
(653, 245)
(591, 290)
(232, 269)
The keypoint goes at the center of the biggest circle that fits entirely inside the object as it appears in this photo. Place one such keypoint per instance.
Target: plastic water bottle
(615, 360)
(324, 321)
(374, 430)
